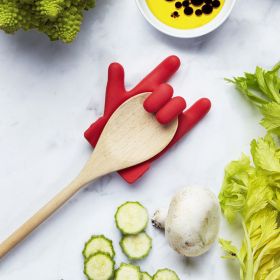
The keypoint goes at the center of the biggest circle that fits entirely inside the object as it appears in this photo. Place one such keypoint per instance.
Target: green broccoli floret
(50, 9)
(9, 16)
(59, 19)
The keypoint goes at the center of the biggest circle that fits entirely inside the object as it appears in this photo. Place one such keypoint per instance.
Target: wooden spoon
(131, 136)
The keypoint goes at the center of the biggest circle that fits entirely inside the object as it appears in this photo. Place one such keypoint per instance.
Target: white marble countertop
(50, 93)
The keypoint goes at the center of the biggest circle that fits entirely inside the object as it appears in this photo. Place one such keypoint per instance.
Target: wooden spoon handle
(93, 169)
(46, 211)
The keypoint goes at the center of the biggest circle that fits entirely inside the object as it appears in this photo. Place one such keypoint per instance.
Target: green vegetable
(131, 218)
(146, 276)
(262, 89)
(59, 19)
(253, 193)
(99, 266)
(98, 243)
(137, 246)
(165, 274)
(251, 189)
(128, 272)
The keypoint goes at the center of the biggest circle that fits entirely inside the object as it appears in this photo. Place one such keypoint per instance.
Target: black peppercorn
(216, 4)
(188, 11)
(197, 2)
(178, 5)
(186, 3)
(207, 9)
(198, 12)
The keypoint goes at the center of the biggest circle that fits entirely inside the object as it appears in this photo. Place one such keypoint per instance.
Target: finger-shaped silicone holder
(116, 95)
(158, 98)
(171, 110)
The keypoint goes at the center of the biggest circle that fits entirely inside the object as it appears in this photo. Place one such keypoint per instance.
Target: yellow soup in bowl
(185, 14)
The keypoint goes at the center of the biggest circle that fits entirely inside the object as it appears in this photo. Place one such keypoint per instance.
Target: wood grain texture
(131, 136)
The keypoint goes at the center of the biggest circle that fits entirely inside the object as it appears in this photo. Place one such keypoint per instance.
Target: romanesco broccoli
(59, 19)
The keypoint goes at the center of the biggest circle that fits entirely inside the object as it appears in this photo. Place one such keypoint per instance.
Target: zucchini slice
(98, 243)
(136, 247)
(131, 217)
(146, 276)
(165, 274)
(99, 266)
(128, 272)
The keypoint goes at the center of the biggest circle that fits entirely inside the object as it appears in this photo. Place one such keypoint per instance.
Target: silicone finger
(158, 98)
(161, 74)
(171, 110)
(115, 86)
(197, 111)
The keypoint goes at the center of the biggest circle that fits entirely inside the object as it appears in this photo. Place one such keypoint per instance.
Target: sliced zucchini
(146, 276)
(99, 266)
(128, 272)
(98, 243)
(136, 246)
(131, 218)
(165, 274)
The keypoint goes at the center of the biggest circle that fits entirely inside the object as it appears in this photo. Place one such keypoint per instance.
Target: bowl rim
(186, 33)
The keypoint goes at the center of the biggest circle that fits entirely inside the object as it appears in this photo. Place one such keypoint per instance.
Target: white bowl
(186, 33)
